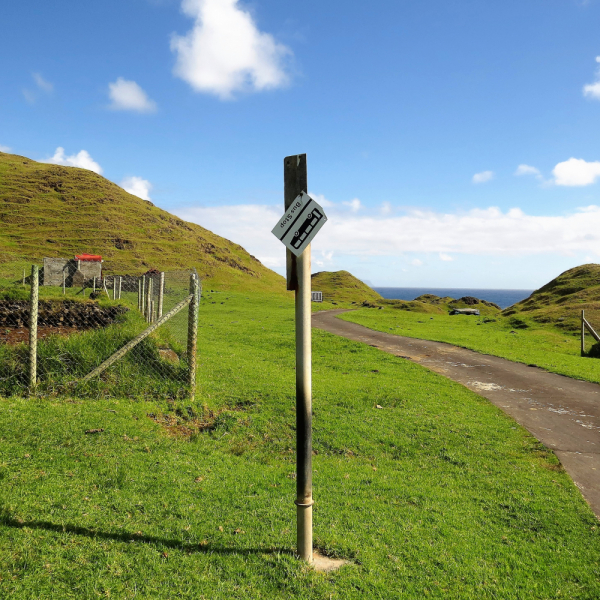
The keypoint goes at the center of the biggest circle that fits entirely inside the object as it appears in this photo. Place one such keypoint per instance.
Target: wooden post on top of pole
(298, 279)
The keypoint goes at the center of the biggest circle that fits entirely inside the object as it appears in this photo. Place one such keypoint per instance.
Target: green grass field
(436, 494)
(542, 345)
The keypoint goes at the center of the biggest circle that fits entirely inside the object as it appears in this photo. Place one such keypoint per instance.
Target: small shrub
(594, 351)
(517, 323)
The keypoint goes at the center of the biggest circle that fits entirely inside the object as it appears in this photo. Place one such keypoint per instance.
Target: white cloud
(225, 52)
(483, 176)
(445, 257)
(528, 170)
(82, 160)
(576, 172)
(4, 148)
(416, 262)
(386, 208)
(320, 199)
(42, 83)
(354, 205)
(592, 90)
(128, 95)
(29, 96)
(137, 186)
(478, 232)
(251, 228)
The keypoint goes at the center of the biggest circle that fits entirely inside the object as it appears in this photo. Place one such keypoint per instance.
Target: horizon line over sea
(503, 298)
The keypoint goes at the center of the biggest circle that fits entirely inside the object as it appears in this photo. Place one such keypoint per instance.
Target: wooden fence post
(192, 340)
(33, 320)
(64, 282)
(120, 286)
(143, 296)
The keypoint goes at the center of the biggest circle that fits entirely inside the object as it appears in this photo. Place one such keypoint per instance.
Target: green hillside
(561, 301)
(341, 286)
(55, 211)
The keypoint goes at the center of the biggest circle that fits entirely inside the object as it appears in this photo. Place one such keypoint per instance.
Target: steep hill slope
(341, 286)
(561, 301)
(54, 211)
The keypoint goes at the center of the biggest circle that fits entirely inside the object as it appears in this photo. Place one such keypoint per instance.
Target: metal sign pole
(298, 279)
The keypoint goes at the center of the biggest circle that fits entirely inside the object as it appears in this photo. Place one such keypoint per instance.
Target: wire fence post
(24, 272)
(149, 300)
(33, 321)
(582, 333)
(161, 292)
(192, 340)
(120, 286)
(64, 282)
(143, 296)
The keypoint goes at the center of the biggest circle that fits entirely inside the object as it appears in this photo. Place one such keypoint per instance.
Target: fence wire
(81, 326)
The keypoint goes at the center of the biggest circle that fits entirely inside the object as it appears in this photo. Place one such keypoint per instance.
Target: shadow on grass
(10, 521)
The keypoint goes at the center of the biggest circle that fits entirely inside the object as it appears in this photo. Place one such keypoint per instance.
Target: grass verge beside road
(437, 493)
(540, 345)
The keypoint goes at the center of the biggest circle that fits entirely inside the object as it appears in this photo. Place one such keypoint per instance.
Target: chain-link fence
(115, 336)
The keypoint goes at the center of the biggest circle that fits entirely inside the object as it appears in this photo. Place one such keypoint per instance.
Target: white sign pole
(295, 182)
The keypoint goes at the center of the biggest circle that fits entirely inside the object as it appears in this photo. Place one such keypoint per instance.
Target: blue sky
(452, 144)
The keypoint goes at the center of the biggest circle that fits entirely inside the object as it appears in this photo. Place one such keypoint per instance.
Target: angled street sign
(300, 223)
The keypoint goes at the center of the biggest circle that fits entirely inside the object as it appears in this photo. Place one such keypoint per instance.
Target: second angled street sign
(300, 224)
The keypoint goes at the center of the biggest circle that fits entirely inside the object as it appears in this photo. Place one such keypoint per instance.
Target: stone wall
(54, 268)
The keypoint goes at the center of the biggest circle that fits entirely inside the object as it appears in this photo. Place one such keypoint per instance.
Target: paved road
(563, 413)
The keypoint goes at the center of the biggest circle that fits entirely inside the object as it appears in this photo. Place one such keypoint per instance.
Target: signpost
(298, 226)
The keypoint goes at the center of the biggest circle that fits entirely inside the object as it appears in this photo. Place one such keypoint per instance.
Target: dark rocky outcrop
(83, 315)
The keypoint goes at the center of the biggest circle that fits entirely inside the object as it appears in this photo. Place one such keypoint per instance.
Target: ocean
(502, 298)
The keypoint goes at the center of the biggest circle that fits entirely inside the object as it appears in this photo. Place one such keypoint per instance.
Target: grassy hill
(55, 211)
(341, 286)
(561, 301)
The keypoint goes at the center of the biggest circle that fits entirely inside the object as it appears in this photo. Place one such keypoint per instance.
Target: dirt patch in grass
(186, 423)
(183, 427)
(16, 335)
